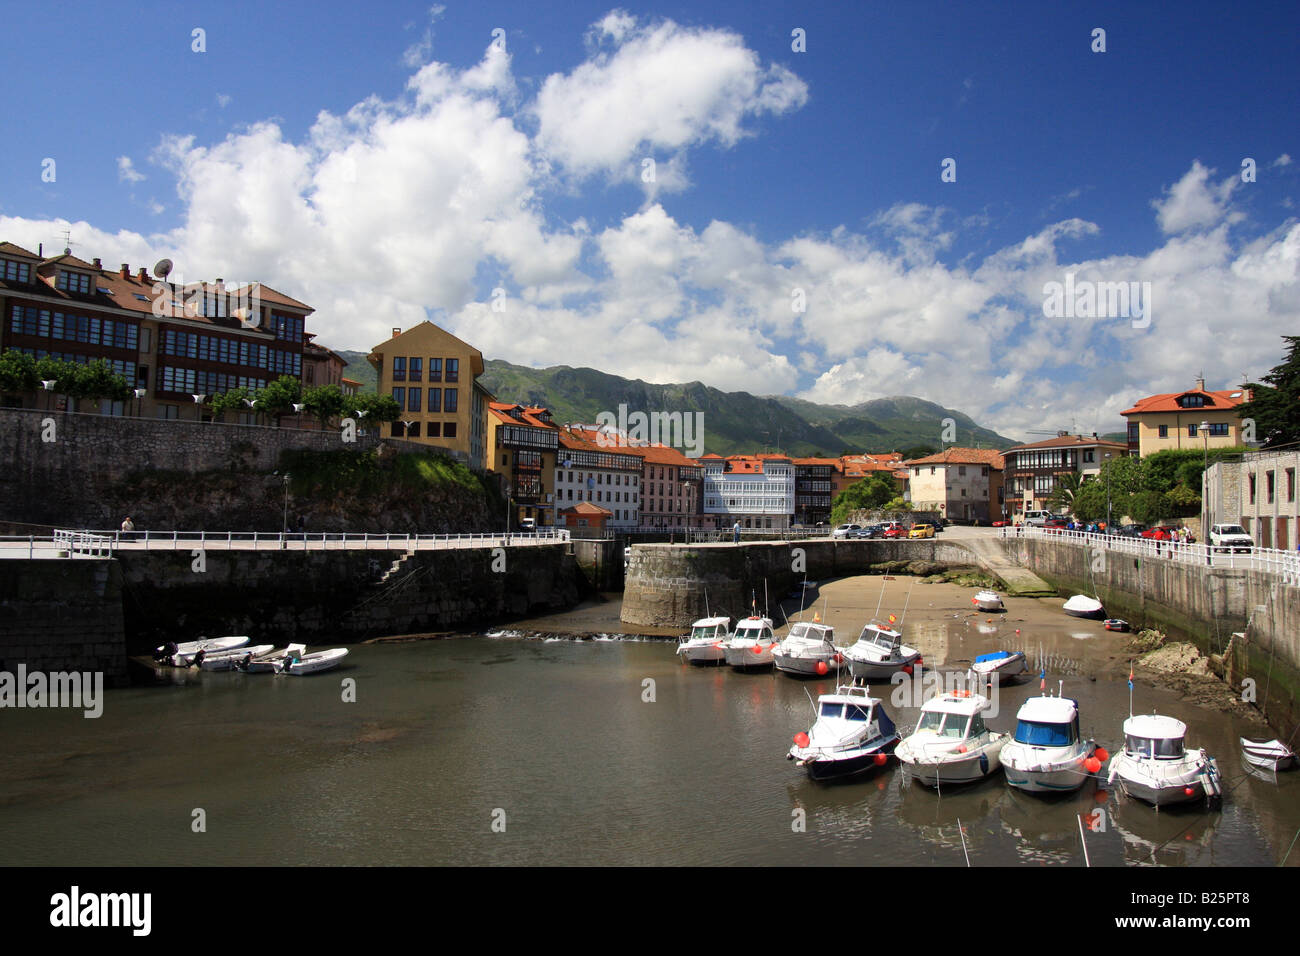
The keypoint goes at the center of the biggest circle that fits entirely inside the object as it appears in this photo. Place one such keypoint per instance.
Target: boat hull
(838, 767)
(744, 658)
(1060, 776)
(1184, 784)
(805, 666)
(702, 654)
(316, 663)
(877, 670)
(951, 770)
(1004, 670)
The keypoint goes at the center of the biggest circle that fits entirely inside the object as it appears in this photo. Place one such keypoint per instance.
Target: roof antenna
(67, 242)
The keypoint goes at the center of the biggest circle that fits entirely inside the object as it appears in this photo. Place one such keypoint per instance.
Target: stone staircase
(1019, 581)
(394, 568)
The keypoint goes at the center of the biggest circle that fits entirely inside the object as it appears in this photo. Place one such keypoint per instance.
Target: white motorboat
(1272, 755)
(181, 655)
(704, 645)
(1002, 665)
(987, 600)
(1047, 754)
(951, 743)
(751, 643)
(313, 663)
(1155, 767)
(879, 653)
(1083, 606)
(852, 733)
(269, 663)
(230, 659)
(808, 650)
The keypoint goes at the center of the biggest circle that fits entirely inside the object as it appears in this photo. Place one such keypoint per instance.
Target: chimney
(97, 264)
(221, 286)
(144, 275)
(396, 332)
(1200, 382)
(126, 270)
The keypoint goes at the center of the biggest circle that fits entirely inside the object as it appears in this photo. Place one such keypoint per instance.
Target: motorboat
(1048, 754)
(808, 650)
(1083, 606)
(852, 733)
(879, 653)
(1155, 767)
(181, 655)
(1002, 665)
(313, 663)
(987, 600)
(228, 659)
(704, 645)
(1273, 755)
(751, 643)
(269, 663)
(951, 744)
(1115, 624)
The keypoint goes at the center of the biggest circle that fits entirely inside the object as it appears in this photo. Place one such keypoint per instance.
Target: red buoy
(907, 669)
(822, 668)
(1102, 754)
(801, 739)
(880, 760)
(1093, 764)
(757, 648)
(1189, 790)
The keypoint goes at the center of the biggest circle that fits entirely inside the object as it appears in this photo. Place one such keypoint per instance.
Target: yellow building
(434, 378)
(1175, 420)
(523, 443)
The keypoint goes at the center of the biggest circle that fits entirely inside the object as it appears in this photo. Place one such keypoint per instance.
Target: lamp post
(139, 394)
(284, 534)
(198, 406)
(48, 385)
(1205, 479)
(1108, 516)
(506, 488)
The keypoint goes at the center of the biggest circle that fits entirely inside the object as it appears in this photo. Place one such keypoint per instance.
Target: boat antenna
(811, 702)
(905, 603)
(881, 600)
(706, 603)
(767, 610)
(803, 593)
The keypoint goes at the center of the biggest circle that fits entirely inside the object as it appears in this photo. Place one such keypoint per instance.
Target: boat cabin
(880, 637)
(710, 628)
(1155, 736)
(953, 716)
(1048, 722)
(853, 704)
(808, 631)
(754, 629)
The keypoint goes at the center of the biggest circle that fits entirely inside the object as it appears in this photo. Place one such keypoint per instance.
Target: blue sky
(386, 162)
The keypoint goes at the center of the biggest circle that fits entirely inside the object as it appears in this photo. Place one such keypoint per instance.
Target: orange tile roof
(1067, 441)
(10, 249)
(1168, 401)
(68, 259)
(586, 508)
(651, 454)
(528, 416)
(833, 462)
(962, 456)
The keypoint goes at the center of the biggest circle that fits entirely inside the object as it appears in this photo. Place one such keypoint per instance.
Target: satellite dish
(162, 267)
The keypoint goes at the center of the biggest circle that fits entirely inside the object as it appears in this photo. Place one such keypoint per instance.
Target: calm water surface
(556, 735)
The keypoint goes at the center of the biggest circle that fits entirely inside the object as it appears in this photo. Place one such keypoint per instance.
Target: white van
(527, 524)
(1035, 519)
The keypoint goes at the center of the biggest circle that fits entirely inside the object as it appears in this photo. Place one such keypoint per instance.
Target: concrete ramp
(1020, 581)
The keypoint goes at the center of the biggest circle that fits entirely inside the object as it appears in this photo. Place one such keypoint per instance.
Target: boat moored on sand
(808, 650)
(1269, 755)
(1000, 666)
(987, 600)
(1083, 606)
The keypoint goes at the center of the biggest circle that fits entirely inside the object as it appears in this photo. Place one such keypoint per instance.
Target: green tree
(1063, 495)
(231, 401)
(325, 403)
(1149, 507)
(1089, 502)
(1275, 404)
(1183, 501)
(917, 451)
(18, 372)
(278, 397)
(377, 408)
(870, 493)
(898, 504)
(97, 380)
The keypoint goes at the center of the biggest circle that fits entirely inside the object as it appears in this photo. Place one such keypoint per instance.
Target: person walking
(735, 533)
(128, 529)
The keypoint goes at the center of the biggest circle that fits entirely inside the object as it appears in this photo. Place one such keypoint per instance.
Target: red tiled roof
(962, 456)
(587, 508)
(527, 416)
(1067, 441)
(68, 259)
(1168, 401)
(9, 249)
(650, 454)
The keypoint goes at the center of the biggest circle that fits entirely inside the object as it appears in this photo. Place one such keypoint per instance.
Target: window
(415, 370)
(413, 399)
(1192, 401)
(1219, 430)
(1089, 456)
(449, 430)
(1290, 484)
(453, 370)
(399, 396)
(146, 343)
(1191, 431)
(1251, 483)
(169, 411)
(414, 430)
(435, 429)
(1268, 485)
(435, 399)
(12, 271)
(435, 370)
(961, 470)
(399, 368)
(74, 282)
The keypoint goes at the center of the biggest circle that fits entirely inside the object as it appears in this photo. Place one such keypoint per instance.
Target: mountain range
(734, 422)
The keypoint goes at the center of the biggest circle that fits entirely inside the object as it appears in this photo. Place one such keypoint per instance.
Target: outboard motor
(165, 651)
(198, 658)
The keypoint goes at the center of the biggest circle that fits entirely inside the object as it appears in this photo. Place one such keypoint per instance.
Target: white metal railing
(105, 543)
(1284, 564)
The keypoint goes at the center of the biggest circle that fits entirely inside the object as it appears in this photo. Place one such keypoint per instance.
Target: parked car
(1035, 519)
(1001, 524)
(1230, 537)
(1161, 532)
(846, 531)
(922, 529)
(871, 531)
(935, 523)
(1130, 530)
(895, 531)
(1055, 524)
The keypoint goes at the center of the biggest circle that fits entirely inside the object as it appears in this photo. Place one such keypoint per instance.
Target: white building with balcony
(756, 490)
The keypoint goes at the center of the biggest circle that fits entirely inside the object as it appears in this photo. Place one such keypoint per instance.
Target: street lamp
(48, 385)
(1108, 515)
(139, 394)
(1205, 481)
(506, 488)
(198, 406)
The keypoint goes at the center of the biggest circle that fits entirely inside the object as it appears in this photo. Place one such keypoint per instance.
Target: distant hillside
(359, 369)
(736, 422)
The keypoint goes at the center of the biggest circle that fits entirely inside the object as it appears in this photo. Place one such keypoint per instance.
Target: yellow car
(921, 531)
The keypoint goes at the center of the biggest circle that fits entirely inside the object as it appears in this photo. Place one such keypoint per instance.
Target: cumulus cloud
(1194, 202)
(126, 171)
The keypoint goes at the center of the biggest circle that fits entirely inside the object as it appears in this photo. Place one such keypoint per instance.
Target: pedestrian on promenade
(128, 529)
(735, 533)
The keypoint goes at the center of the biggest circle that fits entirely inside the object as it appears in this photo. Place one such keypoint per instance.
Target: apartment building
(669, 486)
(171, 341)
(814, 481)
(524, 445)
(1032, 471)
(1257, 491)
(962, 484)
(1195, 419)
(758, 491)
(433, 376)
(607, 476)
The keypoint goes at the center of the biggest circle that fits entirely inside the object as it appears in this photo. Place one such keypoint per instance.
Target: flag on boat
(892, 619)
(1130, 675)
(817, 618)
(1042, 679)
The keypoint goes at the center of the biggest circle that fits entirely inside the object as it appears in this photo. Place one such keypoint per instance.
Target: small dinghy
(1155, 768)
(1115, 624)
(1083, 606)
(852, 734)
(704, 645)
(269, 662)
(313, 663)
(1003, 665)
(182, 655)
(987, 600)
(1273, 755)
(951, 743)
(808, 650)
(230, 659)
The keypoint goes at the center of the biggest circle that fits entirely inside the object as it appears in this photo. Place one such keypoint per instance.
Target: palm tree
(1062, 496)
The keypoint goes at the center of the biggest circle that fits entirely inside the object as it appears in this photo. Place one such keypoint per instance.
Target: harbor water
(510, 749)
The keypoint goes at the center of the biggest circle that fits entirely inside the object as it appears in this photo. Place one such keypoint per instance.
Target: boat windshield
(1036, 733)
(1160, 747)
(703, 633)
(879, 638)
(857, 712)
(831, 709)
(942, 725)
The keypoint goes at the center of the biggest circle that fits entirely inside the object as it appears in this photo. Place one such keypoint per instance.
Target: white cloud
(126, 171)
(1194, 202)
(1283, 160)
(223, 100)
(418, 53)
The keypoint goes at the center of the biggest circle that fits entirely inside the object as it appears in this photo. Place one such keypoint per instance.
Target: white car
(1230, 537)
(846, 531)
(1036, 519)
